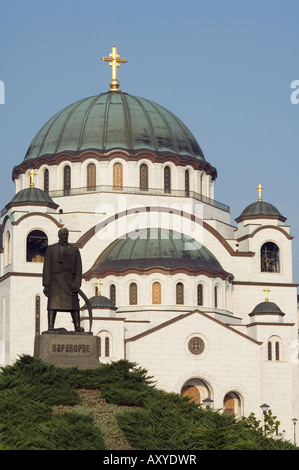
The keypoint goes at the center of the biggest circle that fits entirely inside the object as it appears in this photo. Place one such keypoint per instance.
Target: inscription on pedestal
(68, 349)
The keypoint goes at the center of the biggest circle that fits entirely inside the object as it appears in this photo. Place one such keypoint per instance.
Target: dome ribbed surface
(100, 301)
(32, 196)
(266, 307)
(261, 208)
(156, 248)
(114, 121)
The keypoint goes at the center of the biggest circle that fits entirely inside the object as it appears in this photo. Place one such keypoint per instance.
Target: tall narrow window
(46, 180)
(133, 293)
(107, 347)
(216, 297)
(113, 294)
(37, 242)
(37, 315)
(180, 293)
(7, 248)
(187, 183)
(91, 177)
(66, 180)
(277, 351)
(199, 294)
(167, 180)
(269, 351)
(270, 262)
(156, 293)
(143, 177)
(274, 348)
(117, 176)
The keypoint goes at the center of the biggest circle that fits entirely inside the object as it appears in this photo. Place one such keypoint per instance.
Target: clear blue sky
(224, 67)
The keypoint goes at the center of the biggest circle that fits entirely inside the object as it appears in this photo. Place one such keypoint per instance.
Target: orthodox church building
(207, 306)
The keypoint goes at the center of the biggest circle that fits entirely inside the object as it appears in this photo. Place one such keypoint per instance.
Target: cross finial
(32, 175)
(114, 61)
(260, 189)
(99, 284)
(266, 290)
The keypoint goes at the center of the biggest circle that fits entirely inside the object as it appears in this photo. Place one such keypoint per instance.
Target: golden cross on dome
(260, 189)
(32, 175)
(266, 290)
(99, 284)
(114, 61)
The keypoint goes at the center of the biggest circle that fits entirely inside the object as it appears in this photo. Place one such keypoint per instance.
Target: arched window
(187, 183)
(107, 347)
(180, 293)
(117, 176)
(91, 177)
(156, 293)
(37, 242)
(269, 351)
(113, 294)
(270, 262)
(133, 293)
(105, 343)
(46, 180)
(216, 296)
(274, 349)
(167, 180)
(66, 180)
(199, 294)
(37, 315)
(7, 248)
(143, 177)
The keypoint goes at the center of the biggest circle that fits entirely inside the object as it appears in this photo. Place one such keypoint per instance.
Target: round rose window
(196, 345)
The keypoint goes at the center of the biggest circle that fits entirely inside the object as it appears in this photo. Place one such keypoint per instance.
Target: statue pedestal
(67, 349)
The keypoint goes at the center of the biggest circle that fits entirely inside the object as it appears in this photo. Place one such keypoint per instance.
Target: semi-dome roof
(100, 302)
(32, 196)
(114, 121)
(157, 248)
(266, 308)
(258, 209)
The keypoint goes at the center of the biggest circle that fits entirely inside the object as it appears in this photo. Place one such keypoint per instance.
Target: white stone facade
(234, 360)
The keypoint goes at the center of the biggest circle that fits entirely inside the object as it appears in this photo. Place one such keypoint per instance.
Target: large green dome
(114, 121)
(157, 248)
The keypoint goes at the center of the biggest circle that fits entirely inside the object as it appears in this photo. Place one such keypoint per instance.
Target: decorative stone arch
(197, 390)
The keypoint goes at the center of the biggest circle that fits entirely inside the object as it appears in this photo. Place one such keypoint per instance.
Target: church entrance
(196, 389)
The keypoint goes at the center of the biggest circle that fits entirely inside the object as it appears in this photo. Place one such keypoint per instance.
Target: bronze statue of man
(62, 275)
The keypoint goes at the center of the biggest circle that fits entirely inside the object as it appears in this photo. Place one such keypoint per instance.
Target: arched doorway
(232, 404)
(197, 390)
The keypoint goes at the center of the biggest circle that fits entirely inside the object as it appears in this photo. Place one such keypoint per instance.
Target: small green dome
(260, 208)
(114, 121)
(158, 248)
(100, 301)
(32, 196)
(266, 307)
